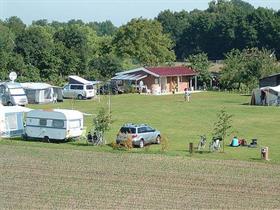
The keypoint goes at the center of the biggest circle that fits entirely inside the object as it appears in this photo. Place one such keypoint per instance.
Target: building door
(163, 84)
(173, 84)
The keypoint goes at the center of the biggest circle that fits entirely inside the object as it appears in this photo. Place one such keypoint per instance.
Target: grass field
(182, 122)
(38, 175)
(44, 178)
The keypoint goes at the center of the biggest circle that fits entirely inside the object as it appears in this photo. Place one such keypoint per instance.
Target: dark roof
(272, 75)
(172, 71)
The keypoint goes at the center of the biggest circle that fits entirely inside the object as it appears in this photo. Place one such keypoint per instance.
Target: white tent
(11, 120)
(266, 96)
(38, 93)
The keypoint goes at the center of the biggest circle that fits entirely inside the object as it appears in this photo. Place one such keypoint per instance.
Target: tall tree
(245, 68)
(144, 41)
(15, 24)
(173, 23)
(74, 39)
(6, 47)
(104, 67)
(37, 47)
(200, 63)
(103, 28)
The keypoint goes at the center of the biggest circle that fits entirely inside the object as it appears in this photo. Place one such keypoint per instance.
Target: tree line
(49, 52)
(223, 26)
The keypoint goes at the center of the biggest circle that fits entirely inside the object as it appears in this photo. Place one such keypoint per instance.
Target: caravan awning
(129, 76)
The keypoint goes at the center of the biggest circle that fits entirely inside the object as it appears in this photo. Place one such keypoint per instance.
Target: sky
(117, 11)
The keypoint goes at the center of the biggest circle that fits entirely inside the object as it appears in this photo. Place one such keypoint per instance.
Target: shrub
(223, 125)
(164, 144)
(128, 143)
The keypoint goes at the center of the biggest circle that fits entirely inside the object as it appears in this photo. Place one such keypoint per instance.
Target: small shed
(11, 120)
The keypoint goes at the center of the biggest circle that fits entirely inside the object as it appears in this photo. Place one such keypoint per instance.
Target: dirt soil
(39, 178)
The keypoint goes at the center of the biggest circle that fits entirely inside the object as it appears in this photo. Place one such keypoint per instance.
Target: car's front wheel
(80, 97)
(141, 144)
(158, 139)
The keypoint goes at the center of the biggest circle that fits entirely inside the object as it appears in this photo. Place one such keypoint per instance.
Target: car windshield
(128, 130)
(16, 91)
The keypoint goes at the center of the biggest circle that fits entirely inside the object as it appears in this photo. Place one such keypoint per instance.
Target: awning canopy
(129, 76)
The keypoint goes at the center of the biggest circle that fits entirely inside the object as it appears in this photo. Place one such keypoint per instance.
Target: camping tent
(11, 120)
(39, 93)
(266, 96)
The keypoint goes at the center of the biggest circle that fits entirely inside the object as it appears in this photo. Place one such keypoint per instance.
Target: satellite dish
(13, 76)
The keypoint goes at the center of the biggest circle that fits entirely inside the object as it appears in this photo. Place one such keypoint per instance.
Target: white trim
(138, 69)
(129, 77)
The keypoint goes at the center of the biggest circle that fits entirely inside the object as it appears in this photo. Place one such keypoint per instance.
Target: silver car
(79, 91)
(140, 134)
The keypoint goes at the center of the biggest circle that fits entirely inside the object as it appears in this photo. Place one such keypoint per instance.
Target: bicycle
(95, 139)
(202, 143)
(215, 145)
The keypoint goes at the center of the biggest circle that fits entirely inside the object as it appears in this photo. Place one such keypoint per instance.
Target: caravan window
(75, 124)
(43, 122)
(11, 120)
(58, 123)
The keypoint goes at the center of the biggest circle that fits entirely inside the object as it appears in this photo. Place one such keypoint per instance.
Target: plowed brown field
(44, 178)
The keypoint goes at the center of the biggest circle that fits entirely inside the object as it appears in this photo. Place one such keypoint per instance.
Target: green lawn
(181, 122)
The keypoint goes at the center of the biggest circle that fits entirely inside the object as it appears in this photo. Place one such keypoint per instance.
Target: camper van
(12, 93)
(78, 88)
(54, 124)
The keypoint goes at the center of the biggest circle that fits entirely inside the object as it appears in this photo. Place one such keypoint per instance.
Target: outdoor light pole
(109, 102)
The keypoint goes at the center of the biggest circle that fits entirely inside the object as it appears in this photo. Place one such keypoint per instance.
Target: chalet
(160, 80)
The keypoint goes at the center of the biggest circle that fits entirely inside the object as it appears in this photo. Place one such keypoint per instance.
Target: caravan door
(2, 95)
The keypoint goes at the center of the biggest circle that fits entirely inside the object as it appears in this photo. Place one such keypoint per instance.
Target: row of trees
(232, 30)
(242, 69)
(52, 51)
(225, 25)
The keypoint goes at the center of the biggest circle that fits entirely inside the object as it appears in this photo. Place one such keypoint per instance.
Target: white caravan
(54, 124)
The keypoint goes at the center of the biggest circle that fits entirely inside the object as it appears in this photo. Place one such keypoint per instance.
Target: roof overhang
(129, 76)
(137, 70)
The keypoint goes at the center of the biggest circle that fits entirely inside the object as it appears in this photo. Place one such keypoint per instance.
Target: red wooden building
(160, 80)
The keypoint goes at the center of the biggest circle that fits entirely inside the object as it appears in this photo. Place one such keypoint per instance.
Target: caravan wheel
(47, 139)
(24, 137)
(80, 97)
(10, 103)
